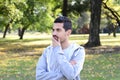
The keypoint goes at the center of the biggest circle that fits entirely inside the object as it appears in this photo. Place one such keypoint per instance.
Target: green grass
(15, 67)
(101, 67)
(18, 58)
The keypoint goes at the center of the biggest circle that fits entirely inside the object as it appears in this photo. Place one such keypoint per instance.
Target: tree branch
(114, 13)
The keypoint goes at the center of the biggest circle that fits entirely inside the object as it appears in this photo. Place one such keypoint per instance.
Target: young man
(62, 60)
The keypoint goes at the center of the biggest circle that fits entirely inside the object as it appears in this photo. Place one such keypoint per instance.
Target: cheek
(63, 36)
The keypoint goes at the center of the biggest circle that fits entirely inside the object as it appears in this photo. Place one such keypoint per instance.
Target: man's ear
(69, 32)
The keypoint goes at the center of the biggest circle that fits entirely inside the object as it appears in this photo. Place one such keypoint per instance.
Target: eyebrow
(56, 29)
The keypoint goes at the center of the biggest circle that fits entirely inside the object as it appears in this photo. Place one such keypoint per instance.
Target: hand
(73, 62)
(55, 41)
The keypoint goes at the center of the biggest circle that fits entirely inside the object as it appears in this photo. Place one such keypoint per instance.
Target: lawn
(18, 58)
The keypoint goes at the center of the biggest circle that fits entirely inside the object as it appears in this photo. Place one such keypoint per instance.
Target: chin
(63, 41)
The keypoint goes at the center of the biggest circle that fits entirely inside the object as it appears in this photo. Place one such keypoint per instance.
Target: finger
(54, 40)
(55, 37)
(73, 62)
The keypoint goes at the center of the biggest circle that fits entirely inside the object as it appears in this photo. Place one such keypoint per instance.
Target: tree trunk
(94, 38)
(7, 27)
(22, 33)
(19, 31)
(114, 31)
(64, 10)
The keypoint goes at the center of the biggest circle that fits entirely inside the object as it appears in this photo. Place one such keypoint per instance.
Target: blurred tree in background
(9, 14)
(38, 15)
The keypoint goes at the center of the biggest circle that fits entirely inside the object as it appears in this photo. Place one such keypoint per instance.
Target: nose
(54, 32)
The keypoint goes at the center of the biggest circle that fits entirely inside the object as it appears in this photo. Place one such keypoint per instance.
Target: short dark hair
(67, 24)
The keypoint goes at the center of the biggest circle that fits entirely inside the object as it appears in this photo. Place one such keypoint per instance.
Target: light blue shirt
(54, 64)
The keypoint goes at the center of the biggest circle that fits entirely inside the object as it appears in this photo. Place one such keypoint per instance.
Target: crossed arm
(68, 69)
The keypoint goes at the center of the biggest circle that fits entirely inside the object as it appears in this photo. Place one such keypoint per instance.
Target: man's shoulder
(77, 46)
(78, 50)
(47, 50)
(48, 47)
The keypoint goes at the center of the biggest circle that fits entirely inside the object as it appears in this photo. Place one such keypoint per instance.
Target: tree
(7, 27)
(28, 17)
(65, 6)
(36, 16)
(9, 11)
(114, 16)
(94, 38)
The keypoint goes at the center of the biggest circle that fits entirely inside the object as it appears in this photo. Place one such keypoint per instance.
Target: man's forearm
(49, 76)
(70, 69)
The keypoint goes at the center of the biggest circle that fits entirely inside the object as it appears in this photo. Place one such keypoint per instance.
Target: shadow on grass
(2, 41)
(22, 48)
(16, 47)
(103, 49)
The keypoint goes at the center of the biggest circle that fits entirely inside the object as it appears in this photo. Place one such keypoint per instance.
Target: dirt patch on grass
(103, 49)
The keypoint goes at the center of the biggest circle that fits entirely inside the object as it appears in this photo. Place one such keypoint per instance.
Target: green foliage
(79, 6)
(114, 6)
(3, 21)
(116, 2)
(3, 9)
(38, 15)
(8, 12)
(21, 6)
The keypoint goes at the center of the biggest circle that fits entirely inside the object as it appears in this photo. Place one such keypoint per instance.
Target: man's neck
(65, 45)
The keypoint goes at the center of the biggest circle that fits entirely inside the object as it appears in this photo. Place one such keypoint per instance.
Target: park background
(25, 30)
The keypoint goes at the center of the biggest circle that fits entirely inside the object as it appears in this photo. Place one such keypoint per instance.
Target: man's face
(59, 32)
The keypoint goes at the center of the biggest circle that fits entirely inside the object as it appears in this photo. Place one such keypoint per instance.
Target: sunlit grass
(101, 67)
(18, 58)
(15, 67)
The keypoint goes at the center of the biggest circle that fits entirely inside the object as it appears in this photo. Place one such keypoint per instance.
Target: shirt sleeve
(68, 70)
(43, 74)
